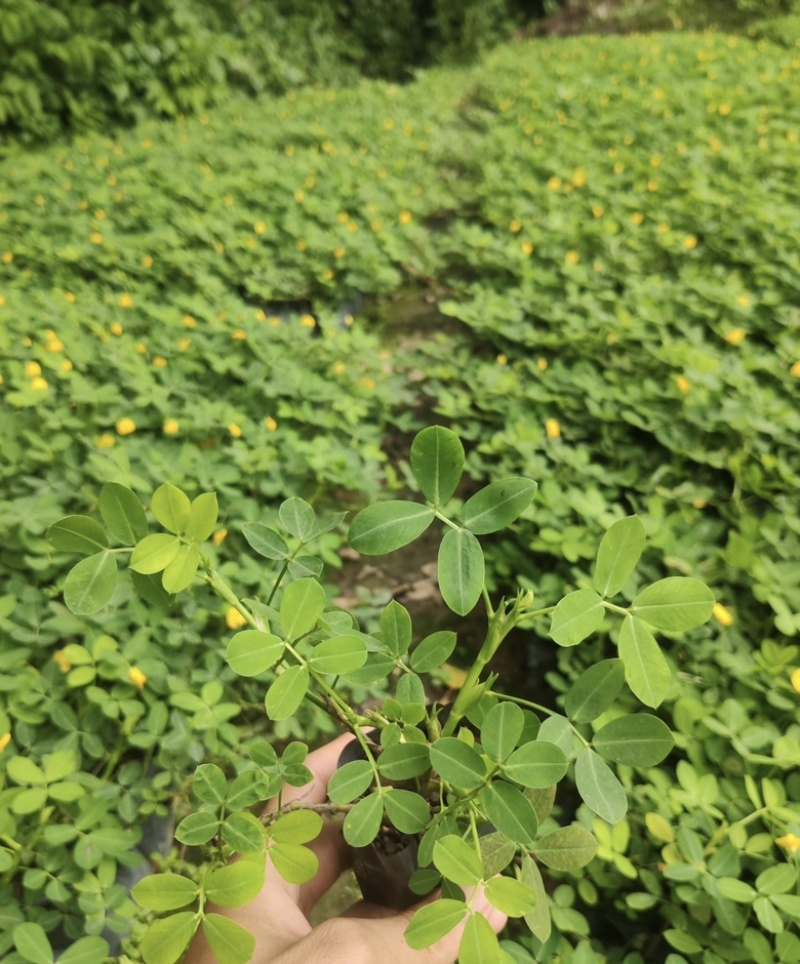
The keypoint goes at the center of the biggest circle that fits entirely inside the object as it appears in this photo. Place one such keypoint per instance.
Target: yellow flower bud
(137, 677)
(234, 429)
(125, 426)
(795, 680)
(106, 441)
(722, 615)
(234, 619)
(32, 369)
(270, 423)
(552, 428)
(790, 842)
(38, 384)
(219, 536)
(5, 739)
(171, 427)
(683, 383)
(735, 336)
(61, 661)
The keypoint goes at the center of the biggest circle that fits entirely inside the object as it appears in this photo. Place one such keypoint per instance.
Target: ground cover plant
(610, 231)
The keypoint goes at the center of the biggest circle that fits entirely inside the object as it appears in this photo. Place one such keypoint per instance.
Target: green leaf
(404, 761)
(154, 553)
(297, 827)
(209, 784)
(123, 513)
(638, 740)
(297, 517)
(164, 892)
(197, 829)
(456, 860)
(457, 763)
(568, 848)
(244, 833)
(647, 671)
(287, 693)
(86, 950)
(406, 810)
(396, 628)
(249, 787)
(388, 526)
(594, 690)
(501, 729)
(538, 920)
(479, 944)
(350, 781)
(202, 517)
(512, 897)
(265, 541)
(777, 879)
(497, 505)
(59, 765)
(180, 573)
(556, 729)
(91, 584)
(363, 822)
(599, 788)
(577, 616)
(251, 652)
(788, 903)
(237, 883)
(29, 801)
(674, 604)
(737, 890)
(497, 852)
(341, 654)
(542, 801)
(77, 533)
(302, 604)
(461, 570)
(165, 941)
(433, 921)
(767, 915)
(432, 651)
(620, 550)
(229, 941)
(437, 461)
(23, 770)
(295, 863)
(510, 812)
(172, 508)
(536, 765)
(32, 943)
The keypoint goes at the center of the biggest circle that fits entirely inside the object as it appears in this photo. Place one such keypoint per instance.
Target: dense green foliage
(78, 65)
(610, 230)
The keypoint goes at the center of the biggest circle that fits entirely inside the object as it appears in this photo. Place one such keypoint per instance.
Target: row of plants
(608, 232)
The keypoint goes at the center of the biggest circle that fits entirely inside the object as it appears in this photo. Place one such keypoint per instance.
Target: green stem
(443, 518)
(616, 609)
(281, 574)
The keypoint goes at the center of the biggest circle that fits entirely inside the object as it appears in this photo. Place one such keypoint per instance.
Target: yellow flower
(405, 217)
(189, 322)
(723, 616)
(790, 842)
(125, 301)
(527, 247)
(2, 300)
(597, 210)
(106, 441)
(300, 245)
(339, 368)
(637, 218)
(60, 659)
(795, 680)
(699, 503)
(579, 178)
(125, 426)
(54, 345)
(259, 227)
(70, 297)
(137, 677)
(147, 261)
(375, 225)
(352, 227)
(724, 109)
(541, 364)
(619, 167)
(8, 257)
(339, 253)
(343, 217)
(160, 362)
(234, 619)
(274, 321)
(683, 383)
(554, 183)
(96, 238)
(662, 228)
(141, 348)
(38, 384)
(171, 427)
(348, 320)
(794, 371)
(66, 365)
(735, 336)
(502, 360)
(239, 335)
(572, 257)
(652, 184)
(299, 196)
(743, 300)
(32, 369)
(307, 321)
(515, 226)
(219, 536)
(270, 423)
(689, 242)
(234, 429)
(367, 383)
(5, 739)
(552, 429)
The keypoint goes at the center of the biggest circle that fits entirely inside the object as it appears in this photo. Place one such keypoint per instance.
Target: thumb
(365, 940)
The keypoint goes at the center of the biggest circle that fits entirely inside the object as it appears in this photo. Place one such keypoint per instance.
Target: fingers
(377, 937)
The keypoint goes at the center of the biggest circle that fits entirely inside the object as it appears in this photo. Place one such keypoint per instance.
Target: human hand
(364, 934)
